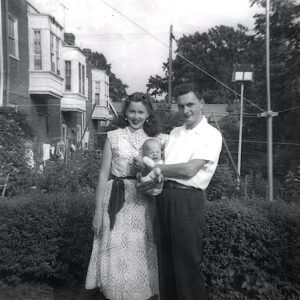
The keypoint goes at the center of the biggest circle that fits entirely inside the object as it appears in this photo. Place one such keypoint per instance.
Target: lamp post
(242, 74)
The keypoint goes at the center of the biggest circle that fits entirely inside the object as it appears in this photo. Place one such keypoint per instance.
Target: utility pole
(269, 112)
(170, 67)
(240, 132)
(242, 74)
(64, 8)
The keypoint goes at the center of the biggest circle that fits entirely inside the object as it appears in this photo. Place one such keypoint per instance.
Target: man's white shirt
(202, 142)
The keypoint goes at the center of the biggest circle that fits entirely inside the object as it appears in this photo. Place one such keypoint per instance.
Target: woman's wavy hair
(151, 126)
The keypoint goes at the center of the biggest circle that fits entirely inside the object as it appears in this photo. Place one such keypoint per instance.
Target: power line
(248, 141)
(263, 142)
(180, 55)
(288, 109)
(220, 82)
(250, 115)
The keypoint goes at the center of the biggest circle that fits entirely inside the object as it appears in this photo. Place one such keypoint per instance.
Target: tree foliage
(14, 159)
(285, 81)
(215, 52)
(117, 89)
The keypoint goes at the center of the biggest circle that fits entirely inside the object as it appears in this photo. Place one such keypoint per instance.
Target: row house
(101, 106)
(46, 76)
(45, 37)
(75, 94)
(14, 59)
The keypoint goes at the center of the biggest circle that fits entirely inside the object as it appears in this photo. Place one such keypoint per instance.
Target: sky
(133, 54)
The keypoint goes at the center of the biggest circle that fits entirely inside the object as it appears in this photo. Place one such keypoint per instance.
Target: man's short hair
(185, 88)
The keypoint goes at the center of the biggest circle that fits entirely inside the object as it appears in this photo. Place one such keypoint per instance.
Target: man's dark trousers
(180, 222)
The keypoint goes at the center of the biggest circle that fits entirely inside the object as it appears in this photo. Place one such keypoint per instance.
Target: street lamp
(242, 74)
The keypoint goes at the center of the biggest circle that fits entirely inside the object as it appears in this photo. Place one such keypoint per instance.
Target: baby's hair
(146, 143)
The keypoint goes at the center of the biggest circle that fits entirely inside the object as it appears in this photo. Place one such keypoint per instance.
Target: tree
(117, 89)
(285, 79)
(167, 118)
(215, 52)
(14, 159)
(158, 85)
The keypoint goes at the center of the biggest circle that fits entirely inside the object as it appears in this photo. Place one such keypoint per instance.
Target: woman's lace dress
(123, 261)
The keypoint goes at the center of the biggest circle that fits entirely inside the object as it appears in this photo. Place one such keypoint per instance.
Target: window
(68, 75)
(79, 72)
(97, 92)
(57, 56)
(97, 98)
(106, 89)
(13, 36)
(52, 52)
(37, 49)
(107, 93)
(103, 123)
(83, 80)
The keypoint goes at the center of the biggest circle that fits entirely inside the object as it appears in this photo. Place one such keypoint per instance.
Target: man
(191, 158)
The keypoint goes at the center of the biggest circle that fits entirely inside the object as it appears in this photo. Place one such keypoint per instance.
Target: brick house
(46, 76)
(14, 59)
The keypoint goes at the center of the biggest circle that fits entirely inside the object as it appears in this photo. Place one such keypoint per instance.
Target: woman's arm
(103, 178)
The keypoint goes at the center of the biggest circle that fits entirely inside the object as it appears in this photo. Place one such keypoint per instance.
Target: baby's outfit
(152, 175)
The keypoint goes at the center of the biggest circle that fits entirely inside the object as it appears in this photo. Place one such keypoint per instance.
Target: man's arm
(183, 170)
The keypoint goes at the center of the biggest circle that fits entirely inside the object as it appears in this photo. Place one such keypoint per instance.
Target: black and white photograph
(149, 150)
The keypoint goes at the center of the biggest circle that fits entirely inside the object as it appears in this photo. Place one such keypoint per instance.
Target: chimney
(87, 52)
(69, 38)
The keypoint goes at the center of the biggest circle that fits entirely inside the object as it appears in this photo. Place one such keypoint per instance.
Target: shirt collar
(198, 128)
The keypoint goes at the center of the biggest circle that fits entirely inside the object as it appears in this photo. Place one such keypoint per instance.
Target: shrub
(252, 250)
(45, 238)
(14, 132)
(76, 176)
(26, 291)
(223, 183)
(256, 184)
(291, 185)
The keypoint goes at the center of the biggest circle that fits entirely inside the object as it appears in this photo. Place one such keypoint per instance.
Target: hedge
(45, 238)
(252, 250)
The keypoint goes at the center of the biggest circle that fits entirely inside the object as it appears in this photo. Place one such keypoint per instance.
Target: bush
(252, 250)
(26, 291)
(223, 183)
(45, 238)
(76, 176)
(291, 185)
(14, 132)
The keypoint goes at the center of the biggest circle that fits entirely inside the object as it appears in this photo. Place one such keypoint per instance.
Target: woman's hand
(138, 163)
(98, 222)
(147, 186)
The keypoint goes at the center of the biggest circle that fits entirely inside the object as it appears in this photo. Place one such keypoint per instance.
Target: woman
(123, 261)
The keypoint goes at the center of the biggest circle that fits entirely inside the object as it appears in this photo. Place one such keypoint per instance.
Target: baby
(151, 155)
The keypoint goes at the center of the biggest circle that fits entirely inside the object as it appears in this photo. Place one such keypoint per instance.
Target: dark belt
(169, 184)
(117, 198)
